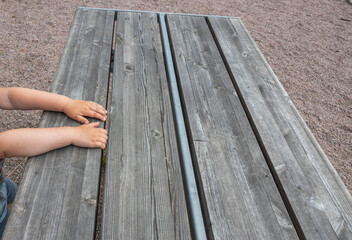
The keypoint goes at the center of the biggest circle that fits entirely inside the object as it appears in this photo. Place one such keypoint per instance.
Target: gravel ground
(308, 45)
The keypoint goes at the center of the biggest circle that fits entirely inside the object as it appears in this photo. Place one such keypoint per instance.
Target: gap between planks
(101, 188)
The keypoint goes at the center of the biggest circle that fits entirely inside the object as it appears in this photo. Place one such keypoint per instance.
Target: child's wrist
(65, 103)
(69, 134)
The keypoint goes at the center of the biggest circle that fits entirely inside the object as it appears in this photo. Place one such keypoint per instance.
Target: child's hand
(77, 109)
(89, 135)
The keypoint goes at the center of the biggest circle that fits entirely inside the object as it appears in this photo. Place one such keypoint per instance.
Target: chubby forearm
(29, 142)
(29, 99)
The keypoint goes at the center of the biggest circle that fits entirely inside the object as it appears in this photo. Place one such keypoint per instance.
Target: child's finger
(82, 119)
(102, 140)
(98, 108)
(100, 144)
(102, 112)
(97, 116)
(103, 133)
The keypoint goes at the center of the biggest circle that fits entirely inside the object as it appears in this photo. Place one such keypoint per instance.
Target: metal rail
(192, 195)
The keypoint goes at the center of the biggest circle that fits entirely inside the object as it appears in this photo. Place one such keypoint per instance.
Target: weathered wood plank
(57, 198)
(321, 202)
(239, 197)
(144, 196)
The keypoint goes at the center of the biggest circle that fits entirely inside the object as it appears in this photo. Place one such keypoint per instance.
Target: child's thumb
(93, 124)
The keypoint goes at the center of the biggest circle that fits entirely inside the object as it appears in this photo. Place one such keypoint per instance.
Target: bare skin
(30, 142)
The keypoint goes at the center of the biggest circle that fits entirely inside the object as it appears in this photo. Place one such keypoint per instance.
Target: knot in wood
(89, 201)
(129, 68)
(120, 39)
(156, 133)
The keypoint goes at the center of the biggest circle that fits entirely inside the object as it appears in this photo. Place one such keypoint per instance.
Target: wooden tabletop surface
(204, 142)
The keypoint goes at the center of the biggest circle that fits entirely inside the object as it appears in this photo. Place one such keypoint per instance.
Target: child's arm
(28, 99)
(30, 142)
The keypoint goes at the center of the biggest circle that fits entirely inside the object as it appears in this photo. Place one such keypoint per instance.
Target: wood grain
(144, 196)
(57, 198)
(319, 199)
(239, 197)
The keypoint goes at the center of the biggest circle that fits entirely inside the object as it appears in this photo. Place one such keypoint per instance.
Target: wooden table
(204, 142)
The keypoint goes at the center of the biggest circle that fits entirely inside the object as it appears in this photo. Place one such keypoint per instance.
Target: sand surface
(308, 44)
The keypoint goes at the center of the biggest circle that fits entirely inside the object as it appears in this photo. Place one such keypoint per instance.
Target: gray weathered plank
(239, 197)
(322, 204)
(144, 196)
(57, 198)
